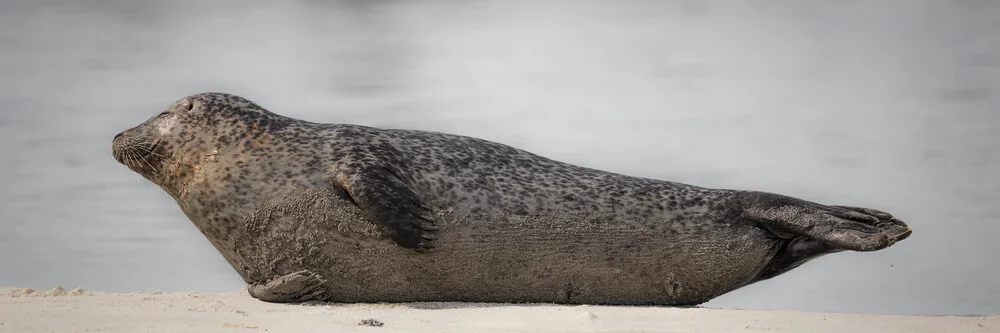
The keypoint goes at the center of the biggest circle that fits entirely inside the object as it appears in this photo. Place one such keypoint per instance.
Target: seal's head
(169, 148)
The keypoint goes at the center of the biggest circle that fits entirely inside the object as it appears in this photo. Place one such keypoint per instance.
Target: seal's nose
(118, 136)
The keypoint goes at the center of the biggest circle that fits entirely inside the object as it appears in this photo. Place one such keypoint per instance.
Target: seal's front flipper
(391, 203)
(300, 286)
(842, 227)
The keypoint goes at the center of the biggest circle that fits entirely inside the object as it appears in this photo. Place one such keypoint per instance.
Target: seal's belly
(595, 266)
(584, 258)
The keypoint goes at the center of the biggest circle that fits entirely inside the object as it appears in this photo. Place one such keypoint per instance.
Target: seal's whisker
(142, 158)
(149, 150)
(140, 179)
(127, 157)
(131, 156)
(149, 164)
(135, 159)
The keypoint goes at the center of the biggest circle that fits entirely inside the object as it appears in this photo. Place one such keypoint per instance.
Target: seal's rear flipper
(791, 254)
(841, 227)
(390, 202)
(300, 286)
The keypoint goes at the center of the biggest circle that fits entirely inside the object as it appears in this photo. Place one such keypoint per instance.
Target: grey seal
(335, 212)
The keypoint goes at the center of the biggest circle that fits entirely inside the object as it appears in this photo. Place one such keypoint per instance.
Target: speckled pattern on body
(308, 211)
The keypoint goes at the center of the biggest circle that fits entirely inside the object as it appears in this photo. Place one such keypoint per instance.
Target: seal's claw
(886, 229)
(390, 202)
(411, 232)
(300, 286)
(865, 236)
(423, 213)
(878, 214)
(853, 215)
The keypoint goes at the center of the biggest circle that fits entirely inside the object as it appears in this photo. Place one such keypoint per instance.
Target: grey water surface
(887, 104)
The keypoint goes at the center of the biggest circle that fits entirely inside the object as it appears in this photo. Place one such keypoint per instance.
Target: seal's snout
(119, 143)
(136, 150)
(118, 147)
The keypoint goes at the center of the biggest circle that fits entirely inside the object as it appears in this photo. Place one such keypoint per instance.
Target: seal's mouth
(139, 154)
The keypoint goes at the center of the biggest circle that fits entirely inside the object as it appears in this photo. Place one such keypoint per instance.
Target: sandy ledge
(60, 310)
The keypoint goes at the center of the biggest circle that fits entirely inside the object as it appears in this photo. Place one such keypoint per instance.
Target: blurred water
(889, 104)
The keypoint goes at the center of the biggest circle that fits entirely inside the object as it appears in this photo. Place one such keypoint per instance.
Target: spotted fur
(305, 210)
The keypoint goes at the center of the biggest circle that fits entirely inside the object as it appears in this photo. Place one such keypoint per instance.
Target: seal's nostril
(118, 136)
